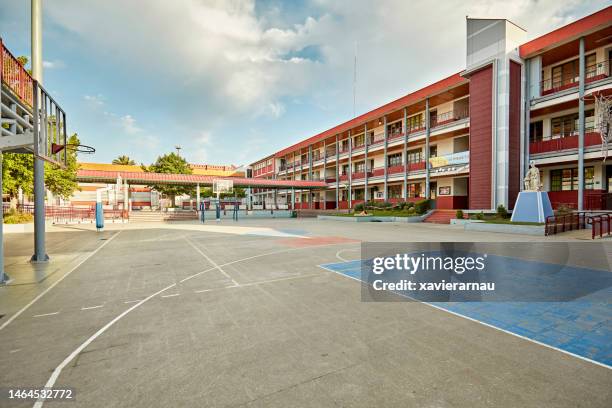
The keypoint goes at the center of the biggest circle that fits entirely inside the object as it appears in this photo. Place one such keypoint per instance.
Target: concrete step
(441, 216)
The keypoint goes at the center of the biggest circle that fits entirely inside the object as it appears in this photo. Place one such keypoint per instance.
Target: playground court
(242, 314)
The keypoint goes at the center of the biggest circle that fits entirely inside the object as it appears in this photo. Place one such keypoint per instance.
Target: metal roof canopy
(100, 176)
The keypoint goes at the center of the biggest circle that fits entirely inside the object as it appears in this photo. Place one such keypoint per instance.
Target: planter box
(370, 218)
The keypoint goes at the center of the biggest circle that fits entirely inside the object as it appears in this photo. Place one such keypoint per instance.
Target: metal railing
(67, 214)
(593, 72)
(600, 225)
(565, 222)
(449, 117)
(15, 76)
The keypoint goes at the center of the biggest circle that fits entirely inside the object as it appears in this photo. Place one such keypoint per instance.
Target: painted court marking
(44, 292)
(46, 314)
(352, 270)
(58, 370)
(92, 307)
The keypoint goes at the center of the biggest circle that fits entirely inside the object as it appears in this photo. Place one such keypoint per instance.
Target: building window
(394, 160)
(433, 151)
(415, 122)
(359, 141)
(568, 125)
(567, 179)
(394, 129)
(359, 194)
(394, 191)
(359, 167)
(414, 190)
(536, 131)
(415, 156)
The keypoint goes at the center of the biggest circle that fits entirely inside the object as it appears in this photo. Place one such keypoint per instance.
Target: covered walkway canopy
(100, 176)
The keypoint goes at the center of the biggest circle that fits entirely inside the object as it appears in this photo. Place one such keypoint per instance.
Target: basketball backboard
(223, 186)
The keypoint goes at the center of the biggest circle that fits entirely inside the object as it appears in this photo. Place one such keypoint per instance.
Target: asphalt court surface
(230, 316)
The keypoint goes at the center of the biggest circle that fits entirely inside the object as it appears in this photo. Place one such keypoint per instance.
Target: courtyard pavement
(241, 314)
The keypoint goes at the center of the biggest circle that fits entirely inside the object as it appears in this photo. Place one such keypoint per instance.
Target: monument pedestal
(532, 206)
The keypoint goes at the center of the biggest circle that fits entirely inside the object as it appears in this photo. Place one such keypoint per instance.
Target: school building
(467, 140)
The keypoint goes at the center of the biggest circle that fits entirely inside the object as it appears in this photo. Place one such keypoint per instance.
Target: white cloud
(56, 64)
(128, 124)
(219, 62)
(95, 100)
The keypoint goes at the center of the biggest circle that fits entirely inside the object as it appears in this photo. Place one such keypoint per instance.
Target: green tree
(62, 182)
(18, 171)
(124, 160)
(170, 163)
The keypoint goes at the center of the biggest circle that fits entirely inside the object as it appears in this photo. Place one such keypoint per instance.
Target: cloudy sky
(231, 81)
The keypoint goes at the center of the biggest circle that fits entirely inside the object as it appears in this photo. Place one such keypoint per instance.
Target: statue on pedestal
(532, 178)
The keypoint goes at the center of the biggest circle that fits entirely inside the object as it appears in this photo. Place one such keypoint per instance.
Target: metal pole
(350, 168)
(385, 195)
(3, 277)
(581, 127)
(405, 155)
(40, 254)
(337, 173)
(427, 132)
(365, 139)
(197, 196)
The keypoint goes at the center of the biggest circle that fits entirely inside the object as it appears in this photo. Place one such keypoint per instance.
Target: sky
(232, 81)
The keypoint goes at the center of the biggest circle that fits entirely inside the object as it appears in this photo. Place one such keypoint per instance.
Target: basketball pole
(40, 254)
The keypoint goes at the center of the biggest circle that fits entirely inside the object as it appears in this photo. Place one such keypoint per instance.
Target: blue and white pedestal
(532, 206)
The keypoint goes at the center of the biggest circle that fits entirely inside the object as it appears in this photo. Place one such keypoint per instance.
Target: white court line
(15, 351)
(344, 250)
(43, 293)
(58, 370)
(483, 323)
(46, 314)
(51, 382)
(258, 282)
(132, 301)
(211, 261)
(167, 296)
(92, 307)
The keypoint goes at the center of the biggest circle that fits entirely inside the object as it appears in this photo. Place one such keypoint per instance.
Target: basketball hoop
(223, 186)
(73, 147)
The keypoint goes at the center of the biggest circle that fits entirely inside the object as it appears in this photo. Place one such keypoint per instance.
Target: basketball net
(603, 121)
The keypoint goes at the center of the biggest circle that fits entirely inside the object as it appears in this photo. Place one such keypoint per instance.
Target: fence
(68, 214)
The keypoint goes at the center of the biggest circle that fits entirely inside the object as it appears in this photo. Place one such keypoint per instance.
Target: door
(433, 187)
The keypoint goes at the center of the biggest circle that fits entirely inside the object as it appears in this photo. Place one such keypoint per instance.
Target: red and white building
(467, 140)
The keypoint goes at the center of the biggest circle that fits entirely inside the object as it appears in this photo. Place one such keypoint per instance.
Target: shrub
(401, 205)
(480, 216)
(501, 211)
(411, 211)
(410, 204)
(459, 215)
(564, 209)
(358, 208)
(421, 207)
(14, 217)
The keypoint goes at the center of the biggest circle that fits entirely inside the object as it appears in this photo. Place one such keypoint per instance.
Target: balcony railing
(15, 76)
(567, 141)
(449, 117)
(594, 72)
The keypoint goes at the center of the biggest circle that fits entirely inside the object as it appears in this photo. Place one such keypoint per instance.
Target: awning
(99, 176)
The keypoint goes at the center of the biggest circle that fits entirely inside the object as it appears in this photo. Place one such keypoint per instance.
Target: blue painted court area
(581, 326)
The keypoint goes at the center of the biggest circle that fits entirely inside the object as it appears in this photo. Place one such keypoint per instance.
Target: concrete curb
(537, 230)
(372, 218)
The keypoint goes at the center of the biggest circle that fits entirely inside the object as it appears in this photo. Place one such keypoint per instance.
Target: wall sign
(446, 190)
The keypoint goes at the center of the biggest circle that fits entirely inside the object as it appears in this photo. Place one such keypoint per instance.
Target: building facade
(467, 140)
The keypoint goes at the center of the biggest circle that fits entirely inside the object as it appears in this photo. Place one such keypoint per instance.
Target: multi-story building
(467, 140)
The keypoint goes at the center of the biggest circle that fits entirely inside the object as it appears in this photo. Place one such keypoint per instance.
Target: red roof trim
(602, 18)
(406, 100)
(163, 178)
